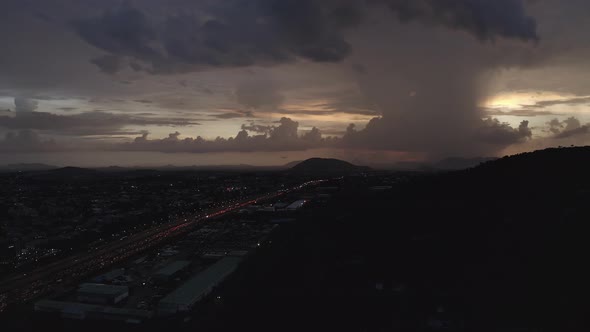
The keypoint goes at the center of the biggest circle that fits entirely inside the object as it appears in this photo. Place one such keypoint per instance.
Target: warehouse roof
(198, 286)
(102, 289)
(172, 268)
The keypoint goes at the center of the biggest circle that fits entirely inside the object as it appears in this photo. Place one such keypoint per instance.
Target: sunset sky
(266, 82)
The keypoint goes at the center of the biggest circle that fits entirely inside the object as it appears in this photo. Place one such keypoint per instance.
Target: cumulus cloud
(581, 130)
(259, 129)
(568, 128)
(555, 126)
(497, 133)
(284, 137)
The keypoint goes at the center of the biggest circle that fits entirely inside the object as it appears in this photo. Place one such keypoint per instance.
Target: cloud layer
(249, 32)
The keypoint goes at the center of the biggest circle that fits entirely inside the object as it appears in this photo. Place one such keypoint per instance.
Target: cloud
(327, 113)
(67, 109)
(521, 112)
(259, 94)
(581, 130)
(497, 133)
(126, 31)
(555, 126)
(259, 129)
(109, 64)
(488, 135)
(284, 137)
(89, 123)
(26, 141)
(25, 105)
(233, 115)
(568, 101)
(487, 20)
(570, 127)
(238, 33)
(429, 86)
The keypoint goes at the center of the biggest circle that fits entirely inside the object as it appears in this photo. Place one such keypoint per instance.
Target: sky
(267, 82)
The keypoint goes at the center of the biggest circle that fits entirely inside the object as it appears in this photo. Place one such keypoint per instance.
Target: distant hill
(456, 163)
(321, 165)
(73, 171)
(292, 164)
(26, 167)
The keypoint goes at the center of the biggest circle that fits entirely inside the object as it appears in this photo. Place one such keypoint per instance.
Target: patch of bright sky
(523, 100)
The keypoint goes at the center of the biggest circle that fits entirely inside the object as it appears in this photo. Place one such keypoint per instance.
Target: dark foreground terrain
(501, 247)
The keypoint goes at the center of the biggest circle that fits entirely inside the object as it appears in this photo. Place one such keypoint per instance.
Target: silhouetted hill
(293, 164)
(24, 167)
(553, 161)
(322, 165)
(456, 163)
(70, 171)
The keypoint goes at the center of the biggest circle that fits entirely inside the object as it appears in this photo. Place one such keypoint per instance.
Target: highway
(22, 288)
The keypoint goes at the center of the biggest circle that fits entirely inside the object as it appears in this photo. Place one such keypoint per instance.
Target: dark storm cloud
(248, 32)
(109, 64)
(126, 31)
(485, 19)
(428, 87)
(284, 137)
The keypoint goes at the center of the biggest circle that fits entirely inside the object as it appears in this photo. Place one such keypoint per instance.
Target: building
(296, 205)
(109, 276)
(101, 293)
(171, 270)
(198, 287)
(72, 310)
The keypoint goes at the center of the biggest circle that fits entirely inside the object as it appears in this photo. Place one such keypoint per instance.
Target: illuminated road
(25, 287)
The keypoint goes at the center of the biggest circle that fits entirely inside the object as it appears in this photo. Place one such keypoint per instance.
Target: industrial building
(196, 288)
(296, 205)
(74, 310)
(101, 293)
(171, 270)
(109, 276)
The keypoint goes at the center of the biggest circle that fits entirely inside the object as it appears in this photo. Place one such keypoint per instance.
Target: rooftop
(172, 268)
(102, 289)
(199, 285)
